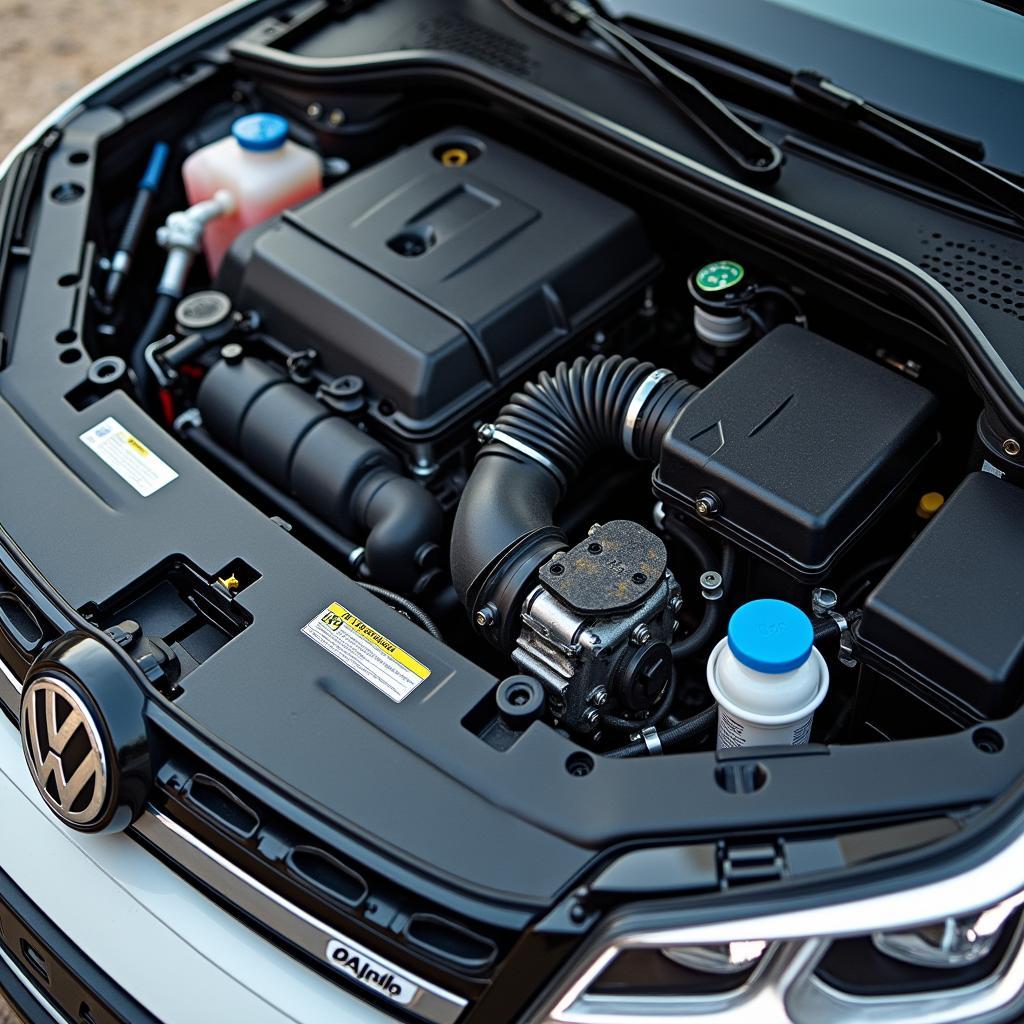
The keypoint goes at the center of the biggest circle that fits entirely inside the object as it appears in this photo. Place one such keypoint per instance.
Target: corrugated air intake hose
(504, 527)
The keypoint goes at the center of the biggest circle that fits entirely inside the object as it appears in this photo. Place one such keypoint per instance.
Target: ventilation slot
(470, 38)
(219, 803)
(977, 270)
(327, 875)
(451, 941)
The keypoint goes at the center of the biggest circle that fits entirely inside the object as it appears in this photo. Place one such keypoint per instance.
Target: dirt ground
(50, 48)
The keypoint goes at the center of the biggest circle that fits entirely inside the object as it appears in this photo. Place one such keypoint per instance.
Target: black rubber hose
(711, 623)
(504, 526)
(417, 614)
(670, 737)
(825, 629)
(151, 331)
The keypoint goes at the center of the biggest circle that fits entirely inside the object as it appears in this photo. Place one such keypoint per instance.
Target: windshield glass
(958, 64)
(971, 32)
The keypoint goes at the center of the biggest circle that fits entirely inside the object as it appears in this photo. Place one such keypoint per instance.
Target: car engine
(631, 473)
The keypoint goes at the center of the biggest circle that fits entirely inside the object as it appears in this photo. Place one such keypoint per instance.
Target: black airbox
(795, 448)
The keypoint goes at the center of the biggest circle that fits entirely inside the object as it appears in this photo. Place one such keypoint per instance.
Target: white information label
(363, 649)
(128, 457)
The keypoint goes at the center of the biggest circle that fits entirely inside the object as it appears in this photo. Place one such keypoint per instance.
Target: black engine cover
(439, 285)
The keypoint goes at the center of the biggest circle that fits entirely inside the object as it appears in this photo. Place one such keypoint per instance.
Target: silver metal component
(711, 585)
(315, 110)
(658, 515)
(423, 467)
(575, 656)
(594, 527)
(707, 504)
(846, 650)
(823, 601)
(600, 339)
(486, 616)
(720, 331)
(421, 997)
(589, 719)
(488, 432)
(649, 734)
(336, 117)
(356, 558)
(186, 420)
(1011, 447)
(598, 697)
(675, 605)
(52, 714)
(636, 406)
(162, 376)
(182, 235)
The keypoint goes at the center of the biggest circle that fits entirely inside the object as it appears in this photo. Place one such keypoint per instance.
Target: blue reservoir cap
(770, 636)
(260, 133)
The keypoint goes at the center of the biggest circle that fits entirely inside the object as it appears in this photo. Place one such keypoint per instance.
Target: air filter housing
(792, 450)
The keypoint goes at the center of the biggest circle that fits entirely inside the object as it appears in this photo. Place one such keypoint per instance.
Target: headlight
(956, 968)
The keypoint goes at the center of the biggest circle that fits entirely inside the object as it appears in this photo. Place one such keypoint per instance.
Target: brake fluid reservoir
(767, 676)
(263, 170)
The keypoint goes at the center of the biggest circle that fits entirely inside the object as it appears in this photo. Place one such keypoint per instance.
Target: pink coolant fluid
(260, 167)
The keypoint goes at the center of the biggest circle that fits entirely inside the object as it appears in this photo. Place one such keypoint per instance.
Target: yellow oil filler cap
(928, 504)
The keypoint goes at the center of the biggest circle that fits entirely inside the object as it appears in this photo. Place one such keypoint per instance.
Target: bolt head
(1011, 446)
(314, 110)
(711, 580)
(599, 697)
(336, 117)
(485, 432)
(641, 634)
(485, 616)
(823, 600)
(707, 504)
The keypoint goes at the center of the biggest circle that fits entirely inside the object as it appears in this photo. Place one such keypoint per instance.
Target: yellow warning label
(367, 651)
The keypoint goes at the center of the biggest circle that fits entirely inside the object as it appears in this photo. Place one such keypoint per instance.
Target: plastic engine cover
(438, 284)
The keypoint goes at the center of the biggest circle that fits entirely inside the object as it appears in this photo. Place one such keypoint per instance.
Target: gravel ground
(50, 48)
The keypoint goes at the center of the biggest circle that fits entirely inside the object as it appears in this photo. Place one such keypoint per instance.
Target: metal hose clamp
(490, 433)
(636, 406)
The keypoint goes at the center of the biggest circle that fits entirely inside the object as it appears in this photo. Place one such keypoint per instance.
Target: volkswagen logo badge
(65, 751)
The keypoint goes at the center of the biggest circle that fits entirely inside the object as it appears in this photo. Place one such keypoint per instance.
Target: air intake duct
(504, 527)
(332, 468)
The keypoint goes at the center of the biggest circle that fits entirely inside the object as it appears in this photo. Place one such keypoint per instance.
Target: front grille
(309, 895)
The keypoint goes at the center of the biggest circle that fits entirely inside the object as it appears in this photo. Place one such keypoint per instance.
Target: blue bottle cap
(260, 133)
(770, 636)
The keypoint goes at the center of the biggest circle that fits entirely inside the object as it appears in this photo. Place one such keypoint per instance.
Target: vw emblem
(65, 751)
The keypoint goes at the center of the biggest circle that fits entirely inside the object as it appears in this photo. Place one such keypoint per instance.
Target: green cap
(719, 276)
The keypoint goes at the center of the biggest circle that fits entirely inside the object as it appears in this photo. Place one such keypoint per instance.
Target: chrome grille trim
(282, 917)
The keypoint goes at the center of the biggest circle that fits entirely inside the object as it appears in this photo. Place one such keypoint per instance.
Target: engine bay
(455, 455)
(488, 391)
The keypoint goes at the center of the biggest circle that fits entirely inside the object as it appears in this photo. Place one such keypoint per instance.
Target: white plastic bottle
(260, 167)
(767, 676)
